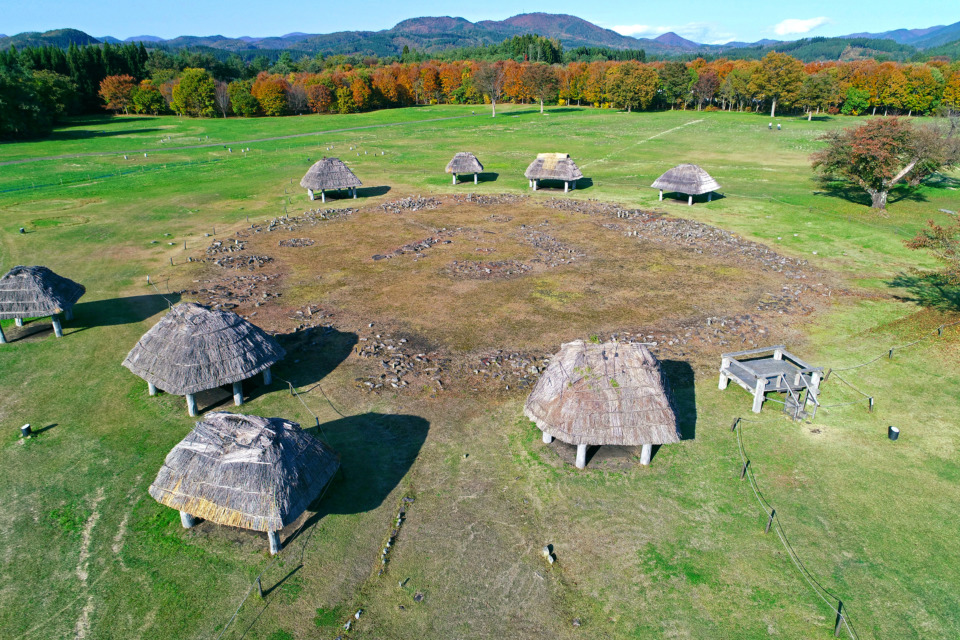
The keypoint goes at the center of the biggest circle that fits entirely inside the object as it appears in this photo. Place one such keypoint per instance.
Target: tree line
(39, 85)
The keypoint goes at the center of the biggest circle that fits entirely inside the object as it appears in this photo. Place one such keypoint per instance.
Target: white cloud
(701, 32)
(796, 25)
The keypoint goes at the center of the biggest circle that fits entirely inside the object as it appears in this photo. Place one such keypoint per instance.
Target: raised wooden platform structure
(773, 369)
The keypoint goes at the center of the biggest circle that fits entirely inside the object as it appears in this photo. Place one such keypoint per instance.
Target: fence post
(773, 512)
(890, 355)
(733, 427)
(743, 472)
(939, 331)
(827, 377)
(870, 407)
(259, 588)
(836, 628)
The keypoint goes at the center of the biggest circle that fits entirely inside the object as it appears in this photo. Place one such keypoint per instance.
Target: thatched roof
(553, 166)
(193, 348)
(35, 292)
(464, 162)
(329, 173)
(245, 471)
(686, 178)
(604, 394)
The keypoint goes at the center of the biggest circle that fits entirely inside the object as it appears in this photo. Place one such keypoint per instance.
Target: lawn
(673, 550)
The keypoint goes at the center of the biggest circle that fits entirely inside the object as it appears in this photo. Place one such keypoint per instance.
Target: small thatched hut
(245, 471)
(37, 292)
(193, 349)
(688, 179)
(328, 174)
(464, 162)
(553, 166)
(597, 394)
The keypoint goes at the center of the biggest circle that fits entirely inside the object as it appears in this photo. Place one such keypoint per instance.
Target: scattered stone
(296, 242)
(413, 203)
(418, 597)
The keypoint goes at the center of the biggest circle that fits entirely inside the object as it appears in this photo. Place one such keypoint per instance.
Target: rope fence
(773, 522)
(889, 352)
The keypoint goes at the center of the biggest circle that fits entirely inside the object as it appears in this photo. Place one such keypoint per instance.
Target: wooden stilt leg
(661, 194)
(68, 315)
(187, 520)
(645, 454)
(57, 329)
(3, 338)
(267, 377)
(581, 456)
(547, 438)
(566, 186)
(758, 395)
(454, 178)
(151, 389)
(238, 393)
(18, 322)
(323, 196)
(690, 200)
(274, 542)
(310, 193)
(475, 178)
(191, 405)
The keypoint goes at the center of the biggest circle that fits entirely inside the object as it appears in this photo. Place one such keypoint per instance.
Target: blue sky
(706, 21)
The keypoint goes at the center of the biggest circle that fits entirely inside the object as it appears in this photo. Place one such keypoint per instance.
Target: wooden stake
(733, 427)
(773, 512)
(836, 628)
(259, 588)
(743, 472)
(870, 407)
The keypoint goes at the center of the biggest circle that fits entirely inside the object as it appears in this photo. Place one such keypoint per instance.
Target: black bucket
(893, 432)
(25, 431)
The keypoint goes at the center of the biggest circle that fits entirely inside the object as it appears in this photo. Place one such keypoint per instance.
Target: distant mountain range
(433, 34)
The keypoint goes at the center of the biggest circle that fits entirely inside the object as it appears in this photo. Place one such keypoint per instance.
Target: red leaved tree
(117, 92)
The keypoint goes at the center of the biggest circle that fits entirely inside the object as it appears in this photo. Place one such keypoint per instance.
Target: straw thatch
(329, 173)
(245, 471)
(686, 178)
(194, 348)
(553, 166)
(464, 162)
(610, 393)
(36, 292)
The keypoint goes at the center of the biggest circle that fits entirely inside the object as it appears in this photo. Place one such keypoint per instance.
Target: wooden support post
(736, 422)
(354, 193)
(536, 184)
(57, 329)
(267, 377)
(870, 405)
(778, 354)
(690, 200)
(836, 627)
(646, 453)
(530, 183)
(710, 197)
(581, 456)
(475, 178)
(259, 588)
(3, 338)
(743, 472)
(566, 186)
(151, 389)
(661, 194)
(454, 178)
(773, 512)
(758, 395)
(815, 380)
(191, 405)
(323, 196)
(274, 542)
(547, 438)
(573, 185)
(187, 520)
(724, 379)
(310, 193)
(238, 393)
(890, 355)
(18, 322)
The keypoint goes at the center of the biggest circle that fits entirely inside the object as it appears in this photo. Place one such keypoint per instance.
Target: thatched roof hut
(245, 471)
(553, 166)
(688, 179)
(464, 162)
(194, 348)
(37, 292)
(329, 174)
(596, 394)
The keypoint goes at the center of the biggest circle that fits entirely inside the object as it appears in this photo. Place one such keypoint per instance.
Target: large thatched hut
(37, 292)
(688, 179)
(464, 162)
(194, 348)
(329, 174)
(597, 394)
(553, 166)
(245, 471)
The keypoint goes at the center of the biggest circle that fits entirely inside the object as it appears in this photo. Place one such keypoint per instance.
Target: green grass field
(674, 550)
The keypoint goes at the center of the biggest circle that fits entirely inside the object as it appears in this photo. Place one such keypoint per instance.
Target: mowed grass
(673, 550)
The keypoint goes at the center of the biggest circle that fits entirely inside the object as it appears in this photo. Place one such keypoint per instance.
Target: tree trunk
(773, 108)
(493, 103)
(878, 198)
(541, 107)
(874, 110)
(809, 115)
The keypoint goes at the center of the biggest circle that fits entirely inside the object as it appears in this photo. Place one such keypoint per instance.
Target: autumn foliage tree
(148, 99)
(270, 90)
(885, 152)
(490, 78)
(779, 79)
(117, 92)
(194, 95)
(541, 80)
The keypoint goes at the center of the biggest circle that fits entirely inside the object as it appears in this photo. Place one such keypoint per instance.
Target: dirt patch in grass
(564, 269)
